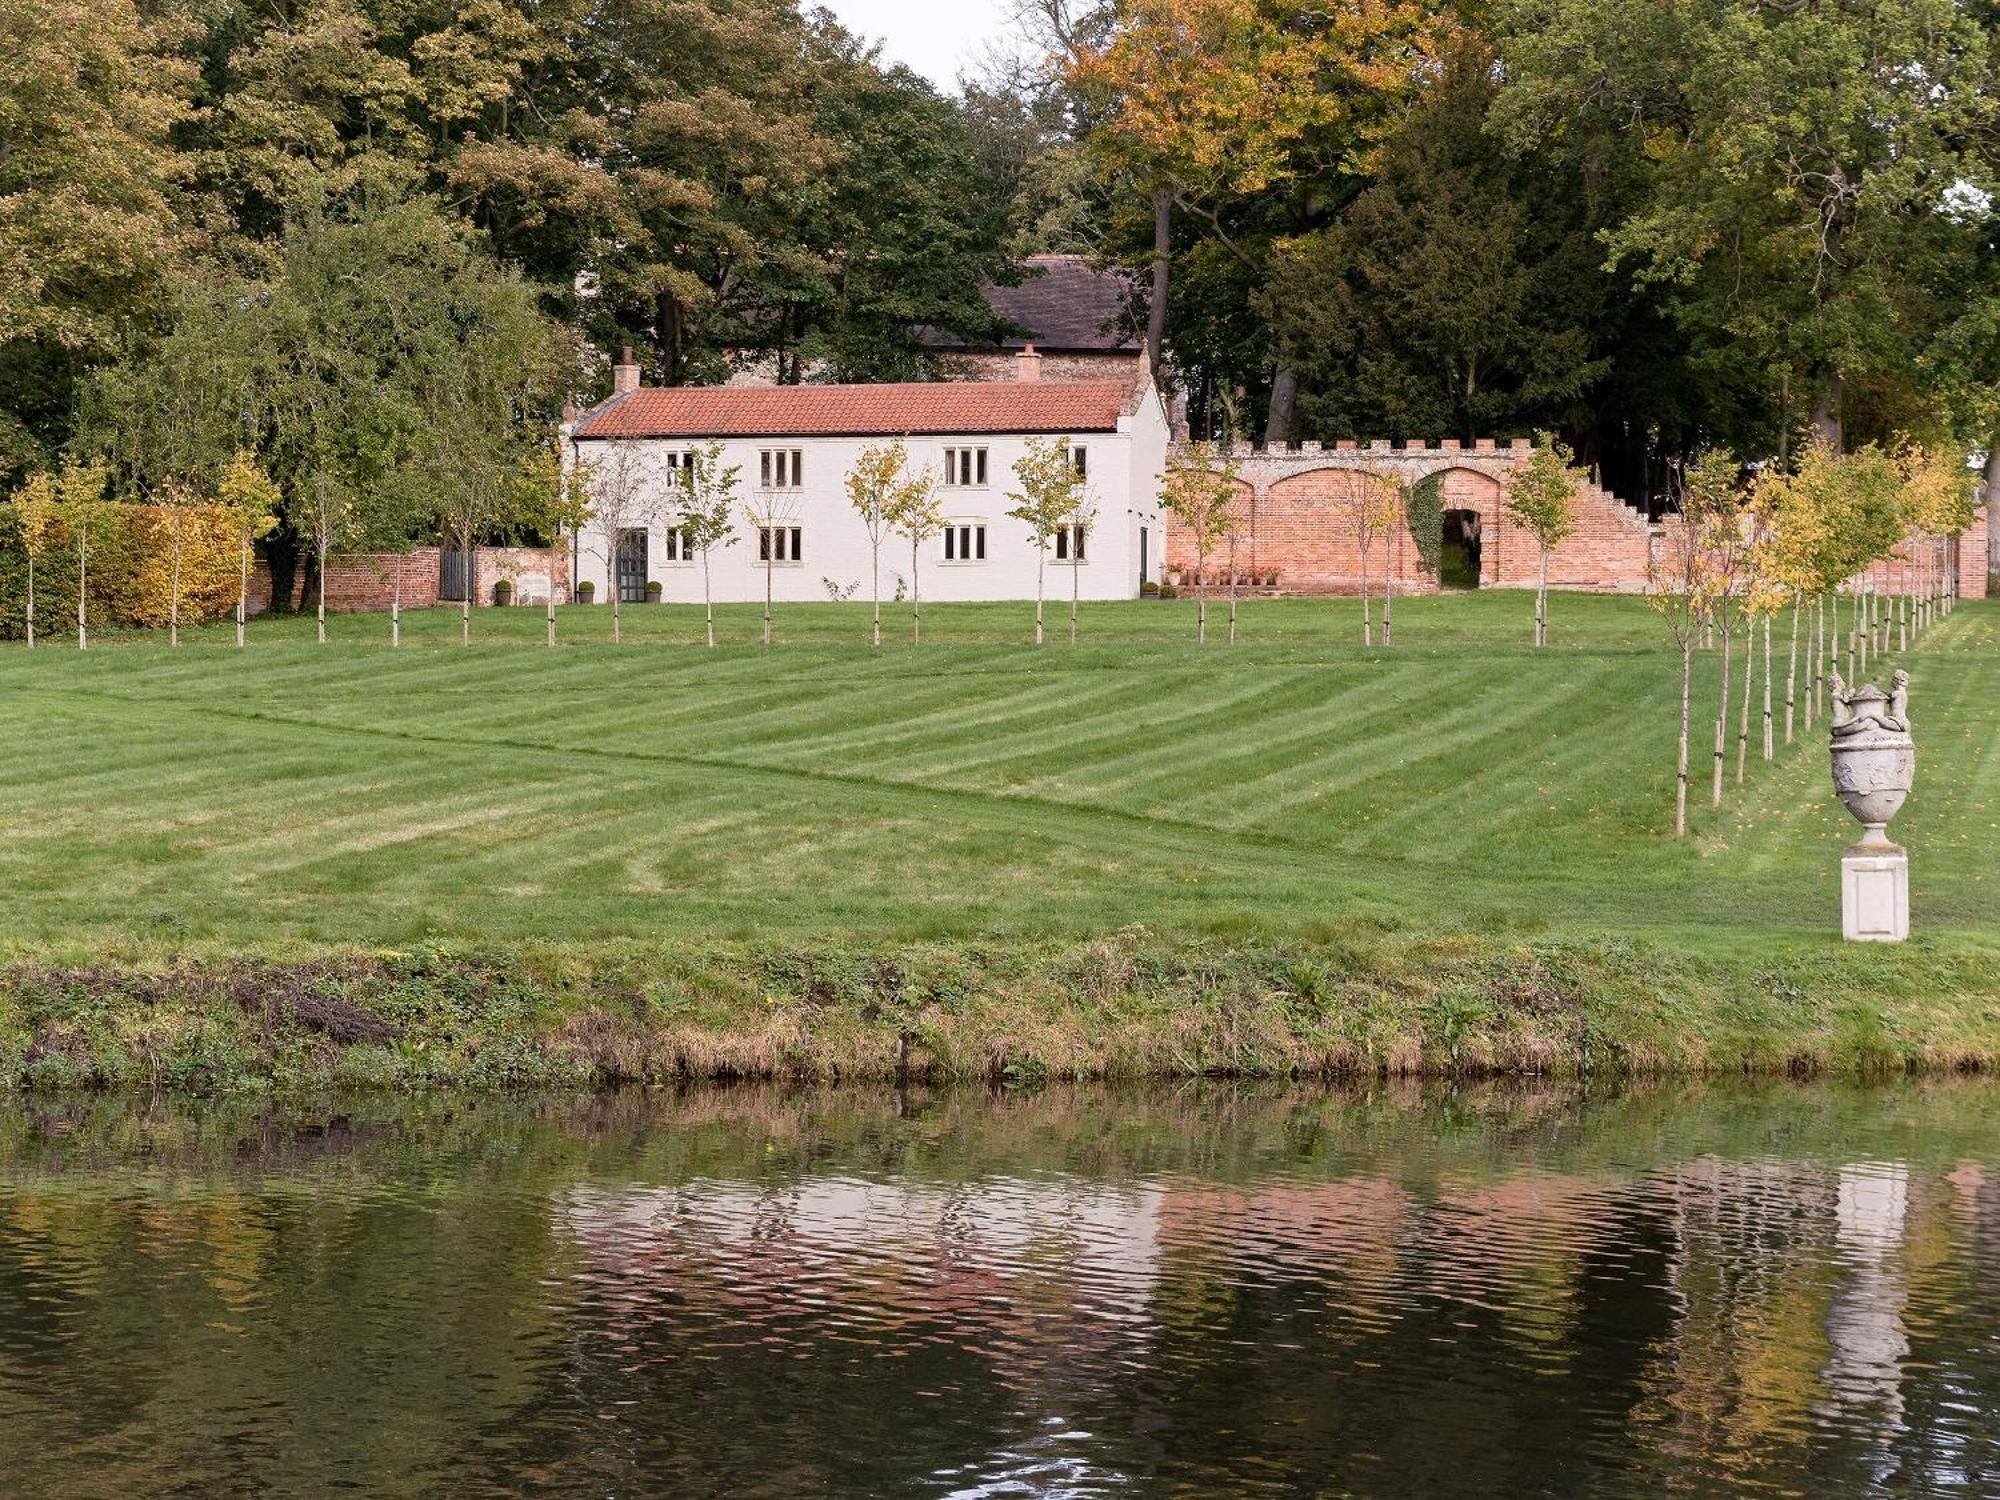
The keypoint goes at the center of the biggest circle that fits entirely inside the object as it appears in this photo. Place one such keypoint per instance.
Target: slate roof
(1066, 305)
(939, 408)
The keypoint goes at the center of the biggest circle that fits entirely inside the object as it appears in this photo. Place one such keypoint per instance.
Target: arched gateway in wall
(1293, 536)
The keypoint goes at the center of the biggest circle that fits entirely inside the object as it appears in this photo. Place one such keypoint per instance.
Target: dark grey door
(452, 575)
(632, 566)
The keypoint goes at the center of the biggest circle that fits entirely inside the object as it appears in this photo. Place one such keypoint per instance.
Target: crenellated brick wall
(1290, 523)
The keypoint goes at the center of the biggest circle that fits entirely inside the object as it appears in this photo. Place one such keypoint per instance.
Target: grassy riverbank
(972, 857)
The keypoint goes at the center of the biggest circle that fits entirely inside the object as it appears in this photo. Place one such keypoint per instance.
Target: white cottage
(794, 445)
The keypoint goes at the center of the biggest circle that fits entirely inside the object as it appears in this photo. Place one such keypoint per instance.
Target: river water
(1783, 1289)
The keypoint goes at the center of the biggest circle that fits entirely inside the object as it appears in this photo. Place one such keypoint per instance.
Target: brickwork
(1001, 365)
(1976, 556)
(1290, 522)
(527, 568)
(359, 581)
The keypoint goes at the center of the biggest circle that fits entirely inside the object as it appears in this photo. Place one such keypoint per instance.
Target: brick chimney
(1028, 365)
(625, 374)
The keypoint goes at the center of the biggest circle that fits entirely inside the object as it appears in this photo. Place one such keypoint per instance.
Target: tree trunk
(1392, 557)
(708, 605)
(396, 605)
(320, 617)
(875, 566)
(916, 600)
(1075, 584)
(1232, 591)
(82, 584)
(242, 588)
(1163, 247)
(1367, 601)
(1201, 599)
(1278, 421)
(1721, 724)
(1792, 673)
(768, 575)
(1681, 764)
(550, 613)
(1770, 747)
(1743, 709)
(1542, 598)
(1826, 416)
(31, 601)
(1041, 558)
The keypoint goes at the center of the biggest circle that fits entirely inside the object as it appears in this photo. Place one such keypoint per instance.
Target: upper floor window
(1080, 461)
(781, 468)
(1069, 543)
(965, 468)
(780, 544)
(680, 468)
(965, 542)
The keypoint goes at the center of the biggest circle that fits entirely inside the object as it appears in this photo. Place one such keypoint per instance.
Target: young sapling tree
(770, 514)
(250, 497)
(915, 516)
(1200, 487)
(1681, 583)
(35, 512)
(1048, 494)
(707, 501)
(1541, 498)
(873, 484)
(79, 500)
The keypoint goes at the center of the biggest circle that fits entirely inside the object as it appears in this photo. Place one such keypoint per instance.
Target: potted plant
(586, 592)
(653, 591)
(503, 592)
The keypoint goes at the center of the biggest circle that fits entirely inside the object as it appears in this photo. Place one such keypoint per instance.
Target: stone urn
(1874, 758)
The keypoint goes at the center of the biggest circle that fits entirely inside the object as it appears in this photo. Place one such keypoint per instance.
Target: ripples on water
(1780, 1290)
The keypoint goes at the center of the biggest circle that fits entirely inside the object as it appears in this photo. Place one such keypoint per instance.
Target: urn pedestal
(1875, 893)
(1874, 767)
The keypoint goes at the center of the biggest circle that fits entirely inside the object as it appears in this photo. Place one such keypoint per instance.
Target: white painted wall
(1125, 470)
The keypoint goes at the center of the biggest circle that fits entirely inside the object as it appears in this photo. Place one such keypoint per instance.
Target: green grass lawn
(293, 799)
(973, 785)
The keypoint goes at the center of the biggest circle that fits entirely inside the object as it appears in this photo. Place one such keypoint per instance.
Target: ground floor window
(965, 543)
(631, 566)
(1069, 543)
(780, 544)
(680, 544)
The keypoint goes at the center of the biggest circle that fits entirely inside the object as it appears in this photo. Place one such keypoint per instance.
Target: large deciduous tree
(1811, 169)
(91, 182)
(1203, 104)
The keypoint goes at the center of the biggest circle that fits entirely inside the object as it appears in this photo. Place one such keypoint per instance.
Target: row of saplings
(1738, 554)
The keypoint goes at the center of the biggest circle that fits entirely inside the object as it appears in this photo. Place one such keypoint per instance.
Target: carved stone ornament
(1874, 758)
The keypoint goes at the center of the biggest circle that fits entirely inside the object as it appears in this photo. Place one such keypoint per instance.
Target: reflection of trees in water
(1493, 1290)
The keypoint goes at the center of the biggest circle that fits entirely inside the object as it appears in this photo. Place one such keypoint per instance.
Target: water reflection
(1785, 1289)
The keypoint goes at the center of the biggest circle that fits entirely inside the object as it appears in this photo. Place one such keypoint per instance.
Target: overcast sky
(932, 36)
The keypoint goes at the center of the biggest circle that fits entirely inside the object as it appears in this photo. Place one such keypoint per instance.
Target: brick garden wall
(1290, 522)
(1976, 558)
(358, 581)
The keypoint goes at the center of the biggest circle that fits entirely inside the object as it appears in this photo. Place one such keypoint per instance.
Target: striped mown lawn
(291, 794)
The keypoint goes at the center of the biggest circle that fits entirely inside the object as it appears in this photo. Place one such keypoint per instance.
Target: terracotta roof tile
(941, 408)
